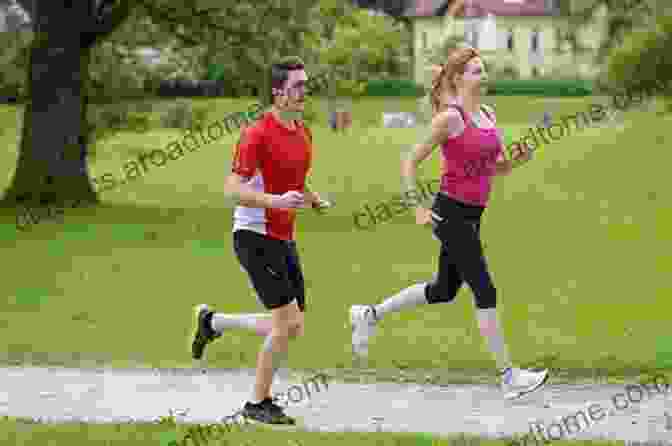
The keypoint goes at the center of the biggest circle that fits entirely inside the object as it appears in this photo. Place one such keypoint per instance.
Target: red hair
(456, 64)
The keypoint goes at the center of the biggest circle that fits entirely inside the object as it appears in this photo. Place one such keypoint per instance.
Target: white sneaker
(363, 324)
(518, 382)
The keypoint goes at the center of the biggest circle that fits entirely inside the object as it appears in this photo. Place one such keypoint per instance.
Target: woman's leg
(468, 257)
(441, 289)
(469, 260)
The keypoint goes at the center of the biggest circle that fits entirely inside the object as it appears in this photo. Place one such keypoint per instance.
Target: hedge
(540, 87)
(393, 87)
(529, 87)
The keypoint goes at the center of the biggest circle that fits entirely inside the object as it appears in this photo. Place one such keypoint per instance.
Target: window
(535, 41)
(509, 40)
(550, 7)
(535, 72)
(424, 40)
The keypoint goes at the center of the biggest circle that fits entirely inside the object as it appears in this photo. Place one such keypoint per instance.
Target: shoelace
(507, 375)
(374, 318)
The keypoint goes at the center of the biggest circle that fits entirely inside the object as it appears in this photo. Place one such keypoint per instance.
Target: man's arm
(245, 165)
(239, 193)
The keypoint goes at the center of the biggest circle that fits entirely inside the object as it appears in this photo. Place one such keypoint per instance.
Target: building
(522, 38)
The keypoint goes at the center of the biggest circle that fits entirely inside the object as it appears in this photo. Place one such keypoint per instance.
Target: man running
(268, 183)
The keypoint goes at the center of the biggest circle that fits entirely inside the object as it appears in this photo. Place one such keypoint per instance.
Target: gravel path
(105, 395)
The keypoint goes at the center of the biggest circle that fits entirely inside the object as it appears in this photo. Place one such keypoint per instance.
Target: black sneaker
(204, 332)
(270, 404)
(266, 412)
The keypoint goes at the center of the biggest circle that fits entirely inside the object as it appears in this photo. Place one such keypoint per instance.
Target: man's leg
(211, 325)
(266, 261)
(260, 323)
(274, 351)
(295, 275)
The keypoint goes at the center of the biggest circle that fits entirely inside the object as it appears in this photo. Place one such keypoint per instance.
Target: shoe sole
(519, 394)
(196, 329)
(283, 426)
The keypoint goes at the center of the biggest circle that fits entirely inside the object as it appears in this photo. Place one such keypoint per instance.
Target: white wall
(549, 62)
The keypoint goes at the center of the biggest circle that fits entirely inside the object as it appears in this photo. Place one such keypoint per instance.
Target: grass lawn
(25, 432)
(578, 242)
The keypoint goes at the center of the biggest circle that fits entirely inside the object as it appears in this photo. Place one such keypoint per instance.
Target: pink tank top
(468, 162)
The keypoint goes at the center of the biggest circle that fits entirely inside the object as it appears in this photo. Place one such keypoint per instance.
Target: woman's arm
(505, 167)
(445, 125)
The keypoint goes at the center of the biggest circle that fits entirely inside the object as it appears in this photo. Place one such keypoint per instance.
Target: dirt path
(61, 394)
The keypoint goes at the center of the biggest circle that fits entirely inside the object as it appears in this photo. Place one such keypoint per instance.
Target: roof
(481, 8)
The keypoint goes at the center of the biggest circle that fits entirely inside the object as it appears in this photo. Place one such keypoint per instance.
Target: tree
(51, 168)
(257, 32)
(644, 62)
(366, 44)
(622, 18)
(14, 62)
(52, 164)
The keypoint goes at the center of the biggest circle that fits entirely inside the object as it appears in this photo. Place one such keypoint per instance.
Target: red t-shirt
(274, 160)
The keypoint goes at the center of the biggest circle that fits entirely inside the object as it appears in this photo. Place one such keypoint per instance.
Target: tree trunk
(51, 167)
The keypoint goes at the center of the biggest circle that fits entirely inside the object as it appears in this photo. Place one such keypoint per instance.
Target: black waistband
(445, 207)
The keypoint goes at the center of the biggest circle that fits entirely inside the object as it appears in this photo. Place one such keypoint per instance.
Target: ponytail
(457, 61)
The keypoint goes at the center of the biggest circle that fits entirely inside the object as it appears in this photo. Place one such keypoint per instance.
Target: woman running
(471, 149)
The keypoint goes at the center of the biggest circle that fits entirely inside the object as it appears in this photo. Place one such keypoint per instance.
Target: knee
(436, 292)
(488, 327)
(487, 298)
(282, 332)
(295, 329)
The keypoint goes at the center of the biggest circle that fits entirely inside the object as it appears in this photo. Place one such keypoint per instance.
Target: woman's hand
(523, 154)
(519, 156)
(423, 216)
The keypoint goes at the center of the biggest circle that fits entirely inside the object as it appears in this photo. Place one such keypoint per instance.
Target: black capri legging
(457, 225)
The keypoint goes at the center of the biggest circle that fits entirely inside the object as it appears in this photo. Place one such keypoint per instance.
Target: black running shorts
(273, 267)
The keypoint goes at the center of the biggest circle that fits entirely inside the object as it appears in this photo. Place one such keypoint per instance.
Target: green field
(578, 242)
(25, 432)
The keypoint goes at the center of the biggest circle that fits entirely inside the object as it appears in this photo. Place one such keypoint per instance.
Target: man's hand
(288, 200)
(312, 199)
(316, 202)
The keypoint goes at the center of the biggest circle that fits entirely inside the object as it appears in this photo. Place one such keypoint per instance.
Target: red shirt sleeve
(309, 134)
(248, 150)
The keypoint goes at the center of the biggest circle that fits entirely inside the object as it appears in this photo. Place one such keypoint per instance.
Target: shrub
(183, 116)
(103, 121)
(350, 88)
(310, 115)
(394, 88)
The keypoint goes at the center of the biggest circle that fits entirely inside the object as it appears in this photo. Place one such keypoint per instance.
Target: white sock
(488, 324)
(221, 321)
(412, 296)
